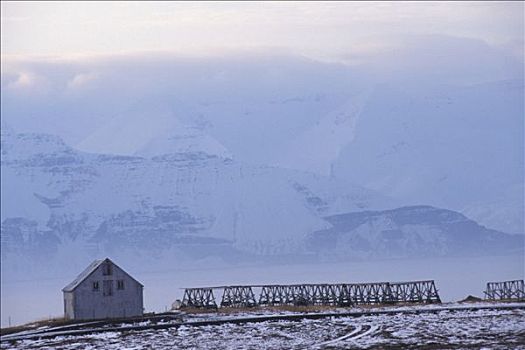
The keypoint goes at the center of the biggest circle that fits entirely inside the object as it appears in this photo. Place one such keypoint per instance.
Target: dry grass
(61, 321)
(194, 310)
(49, 322)
(235, 310)
(290, 308)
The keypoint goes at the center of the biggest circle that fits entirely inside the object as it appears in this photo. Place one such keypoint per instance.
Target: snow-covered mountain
(454, 147)
(226, 157)
(416, 231)
(459, 147)
(59, 205)
(414, 124)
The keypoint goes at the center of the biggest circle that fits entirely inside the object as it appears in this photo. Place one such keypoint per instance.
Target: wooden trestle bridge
(342, 294)
(506, 290)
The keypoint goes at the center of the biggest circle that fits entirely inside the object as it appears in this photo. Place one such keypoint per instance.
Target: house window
(106, 269)
(107, 288)
(120, 284)
(95, 286)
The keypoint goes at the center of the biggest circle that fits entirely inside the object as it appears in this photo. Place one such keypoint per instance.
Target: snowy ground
(458, 329)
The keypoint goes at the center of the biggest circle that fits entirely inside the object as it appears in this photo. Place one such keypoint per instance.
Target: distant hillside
(415, 231)
(59, 204)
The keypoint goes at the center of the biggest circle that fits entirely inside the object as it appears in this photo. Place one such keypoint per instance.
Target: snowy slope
(416, 231)
(459, 148)
(182, 205)
(186, 207)
(411, 123)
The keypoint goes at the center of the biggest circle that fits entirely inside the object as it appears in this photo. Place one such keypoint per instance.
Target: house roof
(88, 271)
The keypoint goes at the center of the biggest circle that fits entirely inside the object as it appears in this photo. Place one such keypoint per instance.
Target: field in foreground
(458, 329)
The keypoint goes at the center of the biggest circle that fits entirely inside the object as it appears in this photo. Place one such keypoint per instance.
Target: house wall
(91, 304)
(69, 310)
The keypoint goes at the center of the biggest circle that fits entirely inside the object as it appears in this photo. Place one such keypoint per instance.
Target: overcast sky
(326, 30)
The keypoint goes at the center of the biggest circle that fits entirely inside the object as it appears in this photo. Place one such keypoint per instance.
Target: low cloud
(23, 81)
(73, 97)
(310, 28)
(81, 80)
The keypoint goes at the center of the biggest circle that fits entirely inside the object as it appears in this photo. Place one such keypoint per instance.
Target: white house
(103, 290)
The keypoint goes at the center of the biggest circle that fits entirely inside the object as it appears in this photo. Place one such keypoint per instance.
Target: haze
(255, 142)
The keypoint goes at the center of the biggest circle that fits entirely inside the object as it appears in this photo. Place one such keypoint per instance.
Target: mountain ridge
(181, 207)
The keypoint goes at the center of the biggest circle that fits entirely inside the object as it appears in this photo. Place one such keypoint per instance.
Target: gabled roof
(88, 271)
